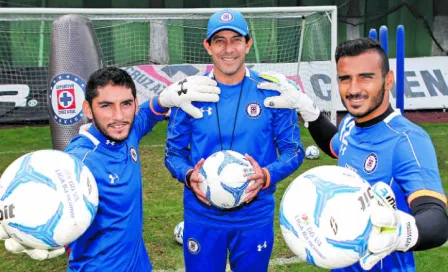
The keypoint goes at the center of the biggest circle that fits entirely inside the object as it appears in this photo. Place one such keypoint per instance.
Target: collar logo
(134, 154)
(109, 142)
(226, 17)
(370, 163)
(253, 110)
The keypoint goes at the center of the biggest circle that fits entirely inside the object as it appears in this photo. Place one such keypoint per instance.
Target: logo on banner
(253, 110)
(66, 99)
(66, 96)
(17, 94)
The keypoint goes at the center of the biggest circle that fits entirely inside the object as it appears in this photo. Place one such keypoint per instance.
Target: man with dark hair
(240, 123)
(109, 148)
(380, 145)
(353, 48)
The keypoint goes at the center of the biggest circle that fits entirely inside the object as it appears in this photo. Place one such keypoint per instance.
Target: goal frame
(104, 14)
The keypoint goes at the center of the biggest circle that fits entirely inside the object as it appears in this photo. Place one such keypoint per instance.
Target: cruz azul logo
(253, 110)
(370, 163)
(66, 99)
(66, 96)
(226, 17)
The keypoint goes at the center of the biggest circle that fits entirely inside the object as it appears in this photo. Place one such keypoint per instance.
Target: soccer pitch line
(273, 262)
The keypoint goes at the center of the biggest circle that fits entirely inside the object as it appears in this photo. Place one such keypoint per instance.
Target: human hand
(393, 229)
(193, 182)
(259, 178)
(291, 97)
(194, 88)
(15, 247)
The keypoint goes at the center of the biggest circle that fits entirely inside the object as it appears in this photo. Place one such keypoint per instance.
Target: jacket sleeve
(415, 166)
(177, 153)
(289, 146)
(148, 116)
(322, 131)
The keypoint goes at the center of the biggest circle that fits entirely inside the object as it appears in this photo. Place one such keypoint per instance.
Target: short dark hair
(247, 38)
(359, 46)
(108, 76)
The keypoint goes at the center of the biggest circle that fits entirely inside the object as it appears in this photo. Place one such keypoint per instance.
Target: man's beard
(103, 130)
(377, 100)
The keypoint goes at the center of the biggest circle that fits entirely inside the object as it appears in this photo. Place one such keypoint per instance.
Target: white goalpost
(160, 46)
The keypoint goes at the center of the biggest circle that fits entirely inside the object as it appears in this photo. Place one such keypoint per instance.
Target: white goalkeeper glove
(15, 247)
(194, 88)
(393, 230)
(291, 97)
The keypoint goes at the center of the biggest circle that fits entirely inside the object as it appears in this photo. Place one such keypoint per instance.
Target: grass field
(163, 202)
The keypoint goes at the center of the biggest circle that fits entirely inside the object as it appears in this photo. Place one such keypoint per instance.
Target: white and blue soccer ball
(325, 216)
(224, 178)
(48, 199)
(312, 152)
(179, 232)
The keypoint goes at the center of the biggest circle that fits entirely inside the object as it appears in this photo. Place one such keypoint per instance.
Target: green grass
(163, 200)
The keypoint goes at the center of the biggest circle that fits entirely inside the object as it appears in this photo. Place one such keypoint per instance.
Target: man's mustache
(356, 96)
(118, 123)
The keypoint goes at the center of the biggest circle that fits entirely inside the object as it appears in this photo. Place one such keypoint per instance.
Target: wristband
(187, 178)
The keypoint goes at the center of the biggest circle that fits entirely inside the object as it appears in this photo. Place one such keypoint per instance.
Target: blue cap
(227, 19)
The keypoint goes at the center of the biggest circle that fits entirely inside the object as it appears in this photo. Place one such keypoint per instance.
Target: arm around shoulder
(322, 131)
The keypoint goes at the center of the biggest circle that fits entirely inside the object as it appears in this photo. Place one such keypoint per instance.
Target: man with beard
(380, 145)
(109, 148)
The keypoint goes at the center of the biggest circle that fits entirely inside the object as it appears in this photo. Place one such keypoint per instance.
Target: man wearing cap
(269, 138)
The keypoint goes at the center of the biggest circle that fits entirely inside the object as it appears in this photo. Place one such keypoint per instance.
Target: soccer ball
(325, 216)
(179, 232)
(312, 152)
(224, 178)
(48, 198)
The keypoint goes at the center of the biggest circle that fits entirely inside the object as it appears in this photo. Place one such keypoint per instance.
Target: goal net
(160, 46)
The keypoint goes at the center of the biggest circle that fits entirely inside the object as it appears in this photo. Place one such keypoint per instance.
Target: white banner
(426, 80)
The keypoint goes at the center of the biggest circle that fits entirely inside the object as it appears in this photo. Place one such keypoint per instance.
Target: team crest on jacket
(134, 154)
(193, 246)
(370, 163)
(253, 110)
